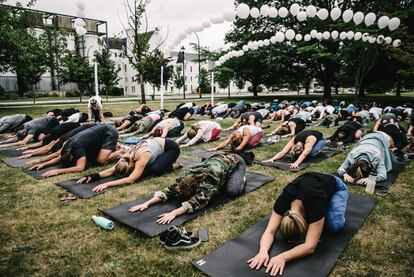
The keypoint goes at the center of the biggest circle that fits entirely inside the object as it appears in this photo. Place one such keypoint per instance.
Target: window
(132, 79)
(133, 89)
(125, 67)
(191, 69)
(191, 78)
(116, 55)
(191, 88)
(126, 79)
(126, 89)
(185, 88)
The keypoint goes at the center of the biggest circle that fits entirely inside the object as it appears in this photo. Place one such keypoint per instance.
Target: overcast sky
(171, 16)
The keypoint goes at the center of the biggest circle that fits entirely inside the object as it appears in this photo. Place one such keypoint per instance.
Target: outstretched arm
(224, 144)
(246, 137)
(310, 142)
(79, 167)
(284, 151)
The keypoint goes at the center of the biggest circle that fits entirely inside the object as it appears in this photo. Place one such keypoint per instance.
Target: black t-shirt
(300, 124)
(62, 129)
(302, 136)
(76, 131)
(258, 116)
(314, 189)
(68, 112)
(41, 125)
(87, 143)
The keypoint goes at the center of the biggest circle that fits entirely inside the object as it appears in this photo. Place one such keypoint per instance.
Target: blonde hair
(192, 131)
(296, 150)
(236, 141)
(122, 167)
(360, 170)
(293, 226)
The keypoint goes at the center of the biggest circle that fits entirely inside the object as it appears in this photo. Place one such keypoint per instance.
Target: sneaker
(180, 241)
(274, 139)
(173, 231)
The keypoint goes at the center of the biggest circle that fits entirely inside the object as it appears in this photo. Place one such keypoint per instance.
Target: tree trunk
(229, 90)
(141, 80)
(398, 90)
(22, 85)
(336, 89)
(254, 89)
(361, 90)
(307, 87)
(53, 77)
(153, 93)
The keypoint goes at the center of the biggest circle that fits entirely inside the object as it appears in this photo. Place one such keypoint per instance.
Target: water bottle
(372, 181)
(103, 222)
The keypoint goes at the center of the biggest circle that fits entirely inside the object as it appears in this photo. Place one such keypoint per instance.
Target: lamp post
(199, 63)
(183, 60)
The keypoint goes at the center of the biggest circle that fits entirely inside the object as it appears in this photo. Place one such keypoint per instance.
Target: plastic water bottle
(372, 181)
(103, 222)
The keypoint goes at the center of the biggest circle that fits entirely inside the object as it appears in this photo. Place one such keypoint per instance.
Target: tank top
(153, 145)
(253, 130)
(302, 136)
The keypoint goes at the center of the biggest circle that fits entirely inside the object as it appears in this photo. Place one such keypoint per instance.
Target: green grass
(41, 236)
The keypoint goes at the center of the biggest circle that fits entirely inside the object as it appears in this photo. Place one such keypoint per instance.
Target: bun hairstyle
(248, 156)
(192, 132)
(293, 226)
(359, 170)
(122, 168)
(296, 151)
(21, 134)
(236, 141)
(157, 132)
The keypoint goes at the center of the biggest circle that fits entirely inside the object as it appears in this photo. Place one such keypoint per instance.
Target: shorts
(255, 140)
(335, 215)
(317, 148)
(111, 139)
(214, 134)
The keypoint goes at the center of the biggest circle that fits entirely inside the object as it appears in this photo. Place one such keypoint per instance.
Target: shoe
(173, 231)
(180, 241)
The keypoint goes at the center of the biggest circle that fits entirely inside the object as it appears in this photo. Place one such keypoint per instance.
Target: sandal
(67, 197)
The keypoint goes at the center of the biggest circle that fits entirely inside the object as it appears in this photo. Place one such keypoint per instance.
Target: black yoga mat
(145, 222)
(84, 191)
(285, 161)
(203, 153)
(37, 174)
(230, 259)
(11, 152)
(16, 162)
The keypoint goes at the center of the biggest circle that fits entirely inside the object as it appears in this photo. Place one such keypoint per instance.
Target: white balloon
(322, 14)
(243, 11)
(81, 13)
(326, 35)
(357, 36)
(319, 36)
(358, 18)
(229, 15)
(260, 43)
(280, 36)
(334, 34)
(294, 9)
(283, 12)
(342, 35)
(214, 19)
(81, 31)
(290, 34)
(254, 12)
(347, 15)
(313, 33)
(307, 37)
(266, 42)
(241, 53)
(206, 24)
(188, 31)
(394, 23)
(372, 39)
(79, 22)
(396, 43)
(255, 44)
(245, 48)
(383, 21)
(388, 40)
(335, 13)
(311, 11)
(200, 28)
(380, 39)
(265, 10)
(193, 28)
(182, 35)
(301, 16)
(350, 35)
(273, 12)
(365, 37)
(80, 5)
(273, 39)
(370, 19)
(298, 37)
(218, 63)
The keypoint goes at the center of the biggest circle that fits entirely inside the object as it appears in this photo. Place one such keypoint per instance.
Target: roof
(188, 56)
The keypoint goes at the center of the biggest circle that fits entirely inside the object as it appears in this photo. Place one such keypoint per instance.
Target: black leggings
(175, 132)
(163, 164)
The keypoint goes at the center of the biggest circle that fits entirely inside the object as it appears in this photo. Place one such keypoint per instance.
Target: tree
(152, 69)
(54, 43)
(20, 50)
(76, 69)
(138, 36)
(223, 77)
(204, 81)
(107, 69)
(178, 77)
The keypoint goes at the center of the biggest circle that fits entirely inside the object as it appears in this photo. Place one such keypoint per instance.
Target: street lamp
(199, 64)
(182, 54)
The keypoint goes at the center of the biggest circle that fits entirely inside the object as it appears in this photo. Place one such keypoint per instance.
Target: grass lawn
(42, 236)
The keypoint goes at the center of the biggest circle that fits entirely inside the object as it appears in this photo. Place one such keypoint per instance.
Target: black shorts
(111, 139)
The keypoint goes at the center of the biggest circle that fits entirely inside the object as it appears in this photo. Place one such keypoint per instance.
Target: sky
(172, 16)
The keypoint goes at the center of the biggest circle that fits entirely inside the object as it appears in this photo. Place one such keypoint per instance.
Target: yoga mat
(17, 163)
(37, 174)
(230, 259)
(145, 222)
(285, 161)
(203, 153)
(84, 191)
(11, 152)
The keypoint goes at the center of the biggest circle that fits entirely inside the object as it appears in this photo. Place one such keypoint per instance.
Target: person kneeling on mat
(246, 135)
(150, 158)
(370, 156)
(310, 204)
(203, 130)
(306, 143)
(198, 185)
(143, 125)
(290, 128)
(347, 133)
(248, 118)
(170, 127)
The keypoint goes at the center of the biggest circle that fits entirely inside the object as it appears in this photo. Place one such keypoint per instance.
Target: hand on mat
(139, 208)
(36, 167)
(25, 157)
(212, 149)
(276, 265)
(294, 165)
(363, 181)
(348, 178)
(23, 148)
(339, 143)
(84, 180)
(100, 188)
(261, 259)
(184, 146)
(51, 173)
(166, 218)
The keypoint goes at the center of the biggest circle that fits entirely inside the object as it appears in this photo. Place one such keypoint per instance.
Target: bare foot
(177, 165)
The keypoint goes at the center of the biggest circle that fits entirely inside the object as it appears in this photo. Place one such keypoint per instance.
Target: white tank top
(253, 129)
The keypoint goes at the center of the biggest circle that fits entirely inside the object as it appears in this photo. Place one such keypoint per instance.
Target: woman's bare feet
(177, 165)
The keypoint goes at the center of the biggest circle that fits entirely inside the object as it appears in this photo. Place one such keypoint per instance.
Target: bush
(259, 88)
(116, 91)
(72, 93)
